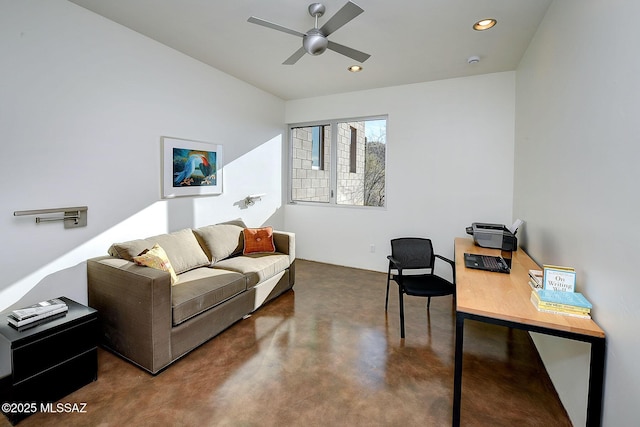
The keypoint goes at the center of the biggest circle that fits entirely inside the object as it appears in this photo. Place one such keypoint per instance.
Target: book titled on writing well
(557, 278)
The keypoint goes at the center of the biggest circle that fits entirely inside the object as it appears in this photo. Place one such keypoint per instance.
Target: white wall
(576, 177)
(83, 105)
(449, 163)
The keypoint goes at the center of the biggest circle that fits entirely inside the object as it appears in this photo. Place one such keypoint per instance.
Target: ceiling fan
(314, 41)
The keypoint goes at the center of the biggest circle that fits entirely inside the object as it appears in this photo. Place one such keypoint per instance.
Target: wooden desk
(504, 299)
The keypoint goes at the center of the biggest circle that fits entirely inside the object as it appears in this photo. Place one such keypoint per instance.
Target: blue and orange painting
(194, 168)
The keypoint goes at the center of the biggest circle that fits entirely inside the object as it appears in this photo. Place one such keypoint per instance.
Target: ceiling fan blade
(271, 25)
(349, 11)
(295, 57)
(347, 51)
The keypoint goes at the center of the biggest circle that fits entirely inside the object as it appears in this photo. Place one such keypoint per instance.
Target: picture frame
(190, 168)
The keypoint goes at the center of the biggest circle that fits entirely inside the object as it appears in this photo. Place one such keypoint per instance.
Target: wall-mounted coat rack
(73, 217)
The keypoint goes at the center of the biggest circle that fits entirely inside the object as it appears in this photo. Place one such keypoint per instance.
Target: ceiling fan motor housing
(315, 42)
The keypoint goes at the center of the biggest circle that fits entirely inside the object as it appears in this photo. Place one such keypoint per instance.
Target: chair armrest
(134, 308)
(394, 263)
(450, 262)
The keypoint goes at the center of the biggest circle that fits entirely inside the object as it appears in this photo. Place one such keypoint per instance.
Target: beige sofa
(152, 323)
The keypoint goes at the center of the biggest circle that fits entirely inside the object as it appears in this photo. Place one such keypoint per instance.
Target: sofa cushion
(256, 267)
(221, 240)
(156, 258)
(181, 247)
(183, 250)
(130, 249)
(201, 289)
(258, 240)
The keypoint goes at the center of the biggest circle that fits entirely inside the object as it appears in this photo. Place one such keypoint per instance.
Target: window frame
(333, 125)
(321, 135)
(353, 150)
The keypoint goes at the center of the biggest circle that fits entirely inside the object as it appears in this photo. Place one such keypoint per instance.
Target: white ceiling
(409, 41)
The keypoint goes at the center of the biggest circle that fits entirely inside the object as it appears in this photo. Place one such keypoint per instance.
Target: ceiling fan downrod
(314, 42)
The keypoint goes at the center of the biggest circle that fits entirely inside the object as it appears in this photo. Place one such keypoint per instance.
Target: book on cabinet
(36, 314)
(38, 309)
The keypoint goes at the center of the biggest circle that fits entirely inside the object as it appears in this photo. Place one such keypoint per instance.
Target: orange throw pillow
(258, 240)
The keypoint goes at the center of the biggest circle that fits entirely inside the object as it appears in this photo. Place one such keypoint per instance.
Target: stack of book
(535, 279)
(560, 302)
(36, 314)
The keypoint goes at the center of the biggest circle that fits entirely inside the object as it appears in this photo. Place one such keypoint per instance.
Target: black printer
(495, 236)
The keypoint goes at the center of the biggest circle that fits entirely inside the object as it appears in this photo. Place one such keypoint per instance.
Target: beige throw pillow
(157, 258)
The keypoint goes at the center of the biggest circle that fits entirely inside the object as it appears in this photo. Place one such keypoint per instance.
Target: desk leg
(596, 379)
(457, 373)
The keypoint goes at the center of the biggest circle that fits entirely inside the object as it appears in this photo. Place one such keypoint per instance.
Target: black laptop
(498, 264)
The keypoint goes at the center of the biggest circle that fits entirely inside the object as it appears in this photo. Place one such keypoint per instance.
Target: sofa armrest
(134, 307)
(285, 243)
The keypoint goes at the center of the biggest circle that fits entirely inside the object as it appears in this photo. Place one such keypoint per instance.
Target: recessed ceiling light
(484, 24)
(355, 68)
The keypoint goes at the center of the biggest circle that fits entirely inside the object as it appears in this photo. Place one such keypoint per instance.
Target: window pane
(361, 163)
(317, 147)
(375, 162)
(311, 160)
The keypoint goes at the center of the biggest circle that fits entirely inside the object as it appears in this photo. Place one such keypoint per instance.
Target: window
(339, 162)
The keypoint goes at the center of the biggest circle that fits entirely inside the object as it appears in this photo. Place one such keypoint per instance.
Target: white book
(38, 309)
(17, 322)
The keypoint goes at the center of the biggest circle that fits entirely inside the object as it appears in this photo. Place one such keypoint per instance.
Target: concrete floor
(326, 354)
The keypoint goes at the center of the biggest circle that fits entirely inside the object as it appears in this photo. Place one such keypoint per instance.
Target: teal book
(561, 297)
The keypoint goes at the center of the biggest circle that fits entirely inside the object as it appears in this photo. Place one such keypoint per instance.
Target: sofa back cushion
(182, 249)
(221, 241)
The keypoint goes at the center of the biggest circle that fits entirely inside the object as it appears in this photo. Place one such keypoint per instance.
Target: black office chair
(411, 253)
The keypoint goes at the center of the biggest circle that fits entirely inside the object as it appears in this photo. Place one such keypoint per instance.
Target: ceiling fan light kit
(314, 41)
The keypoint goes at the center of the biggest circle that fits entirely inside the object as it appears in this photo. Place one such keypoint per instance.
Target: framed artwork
(190, 168)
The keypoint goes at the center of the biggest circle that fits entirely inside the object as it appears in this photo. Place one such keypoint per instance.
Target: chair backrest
(413, 252)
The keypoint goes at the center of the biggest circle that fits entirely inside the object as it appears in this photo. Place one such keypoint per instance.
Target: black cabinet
(45, 363)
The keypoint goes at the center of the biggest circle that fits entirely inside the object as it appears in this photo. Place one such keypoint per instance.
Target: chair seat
(426, 285)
